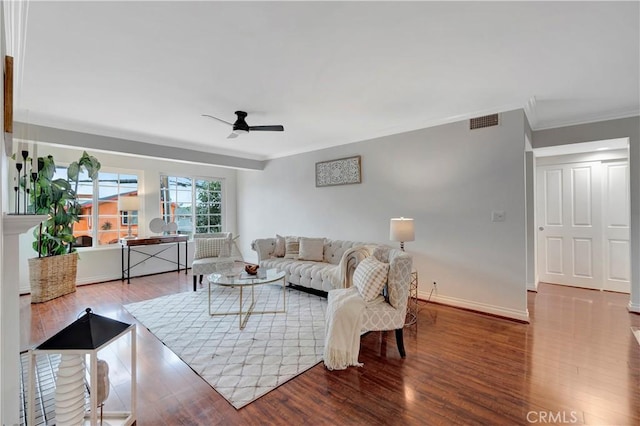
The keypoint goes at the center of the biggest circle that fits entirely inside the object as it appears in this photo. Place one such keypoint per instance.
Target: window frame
(194, 178)
(94, 217)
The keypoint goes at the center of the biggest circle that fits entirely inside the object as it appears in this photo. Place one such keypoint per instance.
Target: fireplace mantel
(16, 224)
(12, 227)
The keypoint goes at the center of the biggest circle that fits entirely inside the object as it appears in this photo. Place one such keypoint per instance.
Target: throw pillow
(292, 248)
(311, 249)
(208, 247)
(370, 277)
(281, 245)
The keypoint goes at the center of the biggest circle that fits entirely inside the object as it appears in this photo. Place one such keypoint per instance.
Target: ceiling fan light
(240, 131)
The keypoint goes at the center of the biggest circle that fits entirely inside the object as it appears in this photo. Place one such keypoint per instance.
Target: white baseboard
(634, 307)
(479, 307)
(99, 279)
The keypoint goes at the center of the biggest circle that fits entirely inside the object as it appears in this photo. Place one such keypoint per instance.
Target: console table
(130, 243)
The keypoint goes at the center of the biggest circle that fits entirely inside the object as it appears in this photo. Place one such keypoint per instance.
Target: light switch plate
(497, 216)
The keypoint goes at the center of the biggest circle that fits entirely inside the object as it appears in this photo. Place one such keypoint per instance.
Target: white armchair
(213, 252)
(362, 307)
(382, 314)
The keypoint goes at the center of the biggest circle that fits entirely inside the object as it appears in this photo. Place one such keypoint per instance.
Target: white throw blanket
(345, 310)
(338, 276)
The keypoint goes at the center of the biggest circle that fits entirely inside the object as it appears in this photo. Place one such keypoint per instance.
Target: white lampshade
(401, 229)
(128, 204)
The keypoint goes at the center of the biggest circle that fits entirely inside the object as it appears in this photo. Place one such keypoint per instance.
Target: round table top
(238, 277)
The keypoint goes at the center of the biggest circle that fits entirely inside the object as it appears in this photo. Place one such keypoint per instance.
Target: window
(192, 203)
(99, 201)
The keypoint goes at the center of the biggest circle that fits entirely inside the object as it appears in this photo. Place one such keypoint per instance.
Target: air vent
(481, 122)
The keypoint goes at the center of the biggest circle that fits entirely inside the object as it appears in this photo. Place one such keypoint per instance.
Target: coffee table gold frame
(233, 279)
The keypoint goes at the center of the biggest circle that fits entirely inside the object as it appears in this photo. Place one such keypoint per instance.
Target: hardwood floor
(576, 363)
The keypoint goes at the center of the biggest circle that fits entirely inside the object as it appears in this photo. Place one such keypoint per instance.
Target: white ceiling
(330, 72)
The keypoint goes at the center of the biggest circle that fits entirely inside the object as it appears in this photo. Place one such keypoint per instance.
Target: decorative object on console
(338, 172)
(171, 228)
(156, 225)
(402, 230)
(129, 204)
(85, 336)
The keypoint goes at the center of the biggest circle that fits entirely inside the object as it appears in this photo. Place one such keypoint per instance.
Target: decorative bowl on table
(251, 269)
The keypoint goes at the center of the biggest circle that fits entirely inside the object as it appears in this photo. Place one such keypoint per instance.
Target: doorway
(582, 216)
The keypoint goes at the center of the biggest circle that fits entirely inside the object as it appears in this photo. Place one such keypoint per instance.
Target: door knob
(541, 228)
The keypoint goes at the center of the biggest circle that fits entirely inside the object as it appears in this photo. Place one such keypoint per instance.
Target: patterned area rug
(241, 365)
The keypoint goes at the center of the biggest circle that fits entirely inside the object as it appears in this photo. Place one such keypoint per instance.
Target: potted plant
(53, 272)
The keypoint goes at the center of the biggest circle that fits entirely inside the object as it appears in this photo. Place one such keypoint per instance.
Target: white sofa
(339, 259)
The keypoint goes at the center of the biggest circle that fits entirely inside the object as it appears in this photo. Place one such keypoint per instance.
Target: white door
(569, 224)
(616, 211)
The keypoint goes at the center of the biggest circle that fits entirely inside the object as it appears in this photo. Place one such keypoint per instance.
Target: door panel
(554, 256)
(569, 228)
(582, 204)
(616, 213)
(582, 255)
(553, 195)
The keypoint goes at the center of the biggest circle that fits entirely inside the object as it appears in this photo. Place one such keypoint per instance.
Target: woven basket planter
(52, 276)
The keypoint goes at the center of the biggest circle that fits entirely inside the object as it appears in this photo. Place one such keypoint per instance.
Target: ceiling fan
(241, 126)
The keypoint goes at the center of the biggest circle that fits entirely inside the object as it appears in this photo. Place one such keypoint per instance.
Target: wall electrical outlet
(498, 216)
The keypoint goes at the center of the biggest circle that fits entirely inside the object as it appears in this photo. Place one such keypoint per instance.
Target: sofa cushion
(281, 245)
(316, 275)
(211, 247)
(292, 248)
(370, 277)
(311, 249)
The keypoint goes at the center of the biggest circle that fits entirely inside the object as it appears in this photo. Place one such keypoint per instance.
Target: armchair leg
(200, 279)
(194, 283)
(400, 341)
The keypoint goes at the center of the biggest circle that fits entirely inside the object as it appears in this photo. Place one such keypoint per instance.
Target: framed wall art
(342, 171)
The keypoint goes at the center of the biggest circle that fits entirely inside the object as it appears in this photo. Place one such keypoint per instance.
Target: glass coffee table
(237, 278)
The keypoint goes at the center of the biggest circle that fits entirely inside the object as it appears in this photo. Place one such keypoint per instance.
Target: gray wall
(610, 129)
(448, 178)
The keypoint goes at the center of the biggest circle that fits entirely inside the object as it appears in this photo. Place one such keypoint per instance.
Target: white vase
(70, 393)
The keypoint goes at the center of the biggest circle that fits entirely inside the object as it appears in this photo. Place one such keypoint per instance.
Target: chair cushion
(211, 247)
(281, 245)
(209, 265)
(370, 277)
(292, 248)
(311, 249)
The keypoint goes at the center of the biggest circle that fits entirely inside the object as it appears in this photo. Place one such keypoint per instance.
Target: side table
(412, 303)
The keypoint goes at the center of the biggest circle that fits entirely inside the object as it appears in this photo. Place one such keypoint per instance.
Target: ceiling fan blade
(216, 118)
(275, 128)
